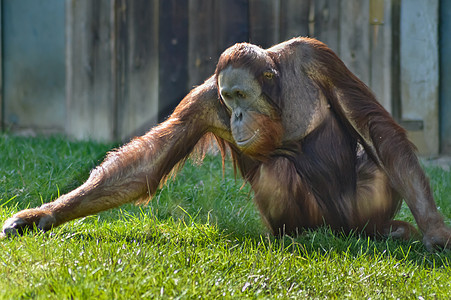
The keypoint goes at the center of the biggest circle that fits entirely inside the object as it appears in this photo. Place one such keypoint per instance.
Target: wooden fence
(129, 62)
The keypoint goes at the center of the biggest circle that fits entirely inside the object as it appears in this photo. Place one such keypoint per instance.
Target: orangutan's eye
(268, 75)
(240, 95)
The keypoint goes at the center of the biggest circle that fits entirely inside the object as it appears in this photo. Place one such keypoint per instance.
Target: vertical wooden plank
(294, 18)
(327, 22)
(420, 70)
(90, 87)
(33, 65)
(137, 66)
(214, 25)
(395, 59)
(120, 76)
(354, 44)
(173, 54)
(445, 76)
(202, 54)
(232, 23)
(381, 50)
(264, 22)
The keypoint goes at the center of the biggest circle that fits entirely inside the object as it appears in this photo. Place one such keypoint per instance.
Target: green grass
(200, 237)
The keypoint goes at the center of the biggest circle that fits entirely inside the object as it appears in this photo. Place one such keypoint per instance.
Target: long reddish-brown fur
(327, 152)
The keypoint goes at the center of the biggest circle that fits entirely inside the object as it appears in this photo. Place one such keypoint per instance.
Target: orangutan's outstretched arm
(134, 171)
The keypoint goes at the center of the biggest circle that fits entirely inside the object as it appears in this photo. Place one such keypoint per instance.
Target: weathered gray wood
(396, 60)
(128, 59)
(381, 53)
(420, 70)
(232, 23)
(33, 65)
(264, 22)
(202, 54)
(90, 86)
(354, 44)
(173, 55)
(120, 75)
(327, 22)
(136, 66)
(294, 18)
(445, 76)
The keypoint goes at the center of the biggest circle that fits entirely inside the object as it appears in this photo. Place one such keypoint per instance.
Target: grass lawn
(200, 237)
